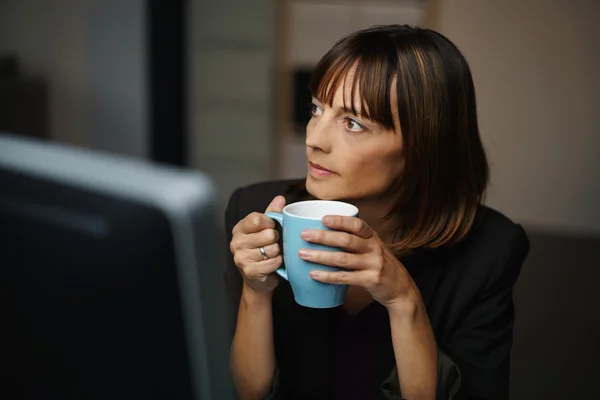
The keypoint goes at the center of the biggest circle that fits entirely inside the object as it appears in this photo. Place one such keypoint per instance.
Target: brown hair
(445, 167)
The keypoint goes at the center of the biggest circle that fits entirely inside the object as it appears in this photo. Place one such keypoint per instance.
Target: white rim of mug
(285, 211)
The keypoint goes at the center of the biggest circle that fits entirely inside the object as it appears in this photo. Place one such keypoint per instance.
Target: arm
(415, 349)
(252, 359)
(475, 361)
(252, 353)
(481, 344)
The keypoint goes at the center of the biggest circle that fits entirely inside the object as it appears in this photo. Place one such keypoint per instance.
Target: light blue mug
(295, 218)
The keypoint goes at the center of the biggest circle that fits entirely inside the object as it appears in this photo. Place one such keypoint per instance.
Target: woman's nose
(318, 134)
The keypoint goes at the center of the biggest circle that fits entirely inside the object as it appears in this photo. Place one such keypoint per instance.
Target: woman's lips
(317, 170)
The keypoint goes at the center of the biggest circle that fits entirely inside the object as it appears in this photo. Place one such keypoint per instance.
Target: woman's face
(349, 157)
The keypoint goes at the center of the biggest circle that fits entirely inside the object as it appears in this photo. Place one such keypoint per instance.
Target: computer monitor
(110, 278)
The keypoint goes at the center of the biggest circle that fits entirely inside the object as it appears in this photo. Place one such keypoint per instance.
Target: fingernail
(303, 253)
(326, 220)
(306, 234)
(315, 274)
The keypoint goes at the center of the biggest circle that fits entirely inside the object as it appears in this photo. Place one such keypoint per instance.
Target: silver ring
(263, 252)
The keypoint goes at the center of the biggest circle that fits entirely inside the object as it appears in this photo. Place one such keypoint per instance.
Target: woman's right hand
(257, 230)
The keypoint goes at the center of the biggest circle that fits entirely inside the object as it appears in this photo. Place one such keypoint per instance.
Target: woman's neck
(374, 213)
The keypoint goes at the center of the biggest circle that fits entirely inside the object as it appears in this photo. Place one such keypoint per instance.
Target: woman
(429, 312)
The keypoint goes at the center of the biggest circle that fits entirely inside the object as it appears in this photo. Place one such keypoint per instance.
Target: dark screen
(89, 297)
(302, 98)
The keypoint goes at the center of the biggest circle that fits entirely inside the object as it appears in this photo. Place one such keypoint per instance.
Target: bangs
(370, 77)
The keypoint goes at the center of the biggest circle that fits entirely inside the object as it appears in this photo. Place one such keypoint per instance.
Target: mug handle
(278, 217)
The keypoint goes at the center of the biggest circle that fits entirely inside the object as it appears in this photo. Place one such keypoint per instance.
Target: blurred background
(220, 86)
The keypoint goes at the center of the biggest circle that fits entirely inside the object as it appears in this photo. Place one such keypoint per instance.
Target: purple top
(355, 342)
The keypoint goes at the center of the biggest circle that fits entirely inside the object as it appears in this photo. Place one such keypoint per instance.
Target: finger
(257, 239)
(348, 224)
(340, 259)
(355, 278)
(256, 222)
(263, 268)
(276, 205)
(271, 250)
(253, 223)
(342, 240)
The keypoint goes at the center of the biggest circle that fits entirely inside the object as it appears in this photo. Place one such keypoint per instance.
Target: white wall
(92, 55)
(536, 66)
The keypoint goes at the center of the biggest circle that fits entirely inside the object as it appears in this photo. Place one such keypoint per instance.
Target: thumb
(276, 205)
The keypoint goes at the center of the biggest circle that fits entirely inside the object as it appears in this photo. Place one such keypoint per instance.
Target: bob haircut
(445, 170)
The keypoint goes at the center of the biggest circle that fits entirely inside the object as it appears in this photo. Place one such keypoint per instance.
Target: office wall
(231, 94)
(535, 65)
(92, 55)
(49, 39)
(118, 82)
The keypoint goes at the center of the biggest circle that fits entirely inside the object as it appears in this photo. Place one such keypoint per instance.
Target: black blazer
(467, 290)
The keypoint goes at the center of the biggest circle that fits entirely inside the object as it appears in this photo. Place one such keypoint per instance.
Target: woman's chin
(322, 191)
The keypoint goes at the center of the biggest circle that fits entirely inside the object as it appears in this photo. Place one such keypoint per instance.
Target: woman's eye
(315, 109)
(353, 126)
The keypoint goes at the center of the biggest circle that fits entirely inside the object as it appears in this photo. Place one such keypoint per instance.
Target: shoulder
(475, 274)
(496, 232)
(257, 196)
(495, 248)
(490, 256)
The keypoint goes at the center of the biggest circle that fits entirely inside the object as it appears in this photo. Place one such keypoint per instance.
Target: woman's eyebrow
(353, 111)
(347, 110)
(317, 98)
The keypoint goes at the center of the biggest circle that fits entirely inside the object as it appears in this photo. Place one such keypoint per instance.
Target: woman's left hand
(366, 261)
